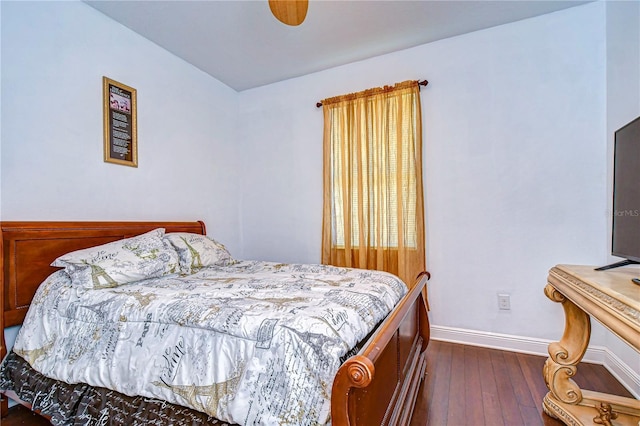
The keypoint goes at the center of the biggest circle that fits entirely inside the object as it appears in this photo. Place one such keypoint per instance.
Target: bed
(377, 384)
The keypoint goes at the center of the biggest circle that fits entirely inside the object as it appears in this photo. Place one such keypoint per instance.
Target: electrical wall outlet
(504, 302)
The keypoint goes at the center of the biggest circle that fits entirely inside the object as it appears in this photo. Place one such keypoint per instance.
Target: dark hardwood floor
(19, 415)
(468, 385)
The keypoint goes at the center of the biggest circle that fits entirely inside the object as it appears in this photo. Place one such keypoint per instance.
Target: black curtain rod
(420, 83)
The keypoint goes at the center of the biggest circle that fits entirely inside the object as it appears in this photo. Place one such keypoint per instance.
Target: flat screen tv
(626, 195)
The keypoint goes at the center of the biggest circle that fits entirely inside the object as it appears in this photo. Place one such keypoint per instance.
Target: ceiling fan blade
(290, 12)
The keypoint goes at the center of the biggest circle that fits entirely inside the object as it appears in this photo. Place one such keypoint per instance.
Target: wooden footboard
(379, 385)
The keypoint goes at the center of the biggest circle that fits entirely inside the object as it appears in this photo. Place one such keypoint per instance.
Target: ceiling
(240, 42)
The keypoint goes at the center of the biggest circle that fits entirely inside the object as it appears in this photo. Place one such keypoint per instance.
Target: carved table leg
(565, 355)
(565, 400)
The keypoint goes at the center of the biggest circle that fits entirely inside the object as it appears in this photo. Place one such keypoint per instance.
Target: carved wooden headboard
(28, 248)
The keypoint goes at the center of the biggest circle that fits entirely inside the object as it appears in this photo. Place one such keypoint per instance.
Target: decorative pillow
(120, 262)
(197, 251)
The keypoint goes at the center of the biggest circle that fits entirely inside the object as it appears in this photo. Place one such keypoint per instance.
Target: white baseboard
(529, 345)
(623, 373)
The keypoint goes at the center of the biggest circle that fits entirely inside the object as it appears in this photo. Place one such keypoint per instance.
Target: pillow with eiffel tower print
(121, 262)
(198, 251)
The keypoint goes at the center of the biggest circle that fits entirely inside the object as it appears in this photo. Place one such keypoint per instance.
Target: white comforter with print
(249, 343)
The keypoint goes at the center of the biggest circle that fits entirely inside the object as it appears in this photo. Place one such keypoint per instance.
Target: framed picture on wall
(120, 123)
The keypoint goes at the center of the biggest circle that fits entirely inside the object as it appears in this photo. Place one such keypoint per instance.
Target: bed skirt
(81, 404)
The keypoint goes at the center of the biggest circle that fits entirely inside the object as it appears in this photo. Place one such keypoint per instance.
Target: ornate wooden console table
(614, 300)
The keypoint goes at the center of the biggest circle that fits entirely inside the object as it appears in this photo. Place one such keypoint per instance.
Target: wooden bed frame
(378, 386)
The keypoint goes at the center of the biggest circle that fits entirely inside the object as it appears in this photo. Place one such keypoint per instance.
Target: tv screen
(626, 192)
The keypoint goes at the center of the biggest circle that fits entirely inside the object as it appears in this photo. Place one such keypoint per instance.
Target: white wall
(514, 136)
(54, 55)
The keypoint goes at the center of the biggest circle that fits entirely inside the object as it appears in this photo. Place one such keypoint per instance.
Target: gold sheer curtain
(373, 213)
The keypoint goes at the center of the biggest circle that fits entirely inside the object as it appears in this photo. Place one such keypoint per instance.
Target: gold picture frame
(120, 123)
